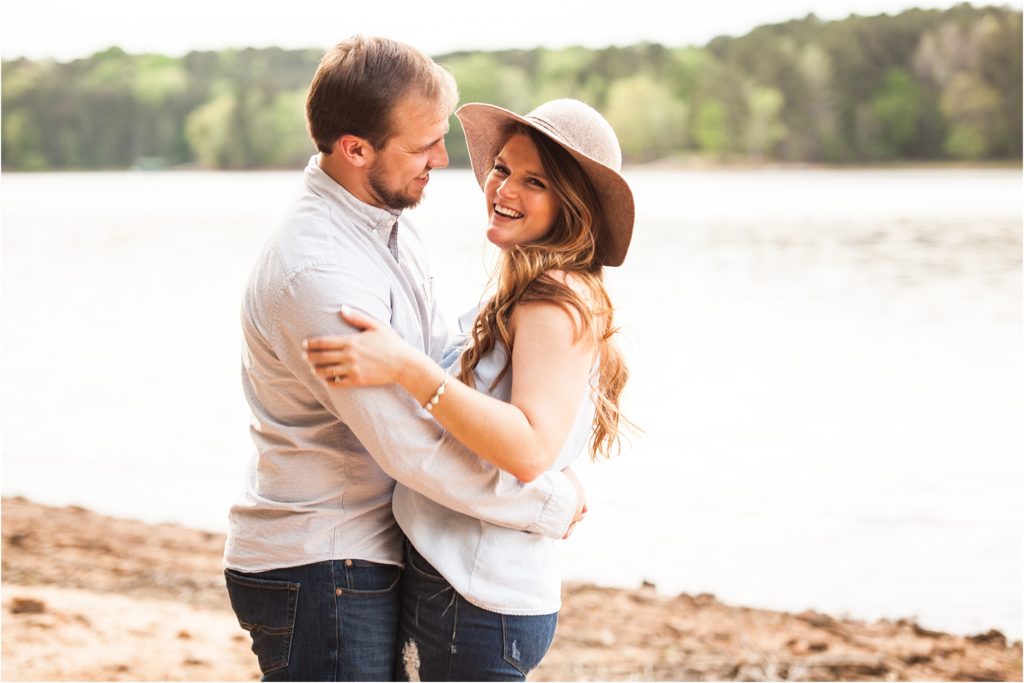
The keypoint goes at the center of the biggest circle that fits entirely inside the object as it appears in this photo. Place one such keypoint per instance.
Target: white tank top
(495, 568)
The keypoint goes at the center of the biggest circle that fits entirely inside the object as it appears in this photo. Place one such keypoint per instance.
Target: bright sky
(67, 29)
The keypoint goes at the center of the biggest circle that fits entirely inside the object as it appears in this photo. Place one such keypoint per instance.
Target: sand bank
(89, 597)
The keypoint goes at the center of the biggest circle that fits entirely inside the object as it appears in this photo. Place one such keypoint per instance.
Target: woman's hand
(581, 501)
(373, 357)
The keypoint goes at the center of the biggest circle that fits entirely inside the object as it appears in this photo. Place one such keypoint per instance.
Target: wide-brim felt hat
(581, 131)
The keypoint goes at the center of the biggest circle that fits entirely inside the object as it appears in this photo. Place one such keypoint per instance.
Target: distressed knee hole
(411, 660)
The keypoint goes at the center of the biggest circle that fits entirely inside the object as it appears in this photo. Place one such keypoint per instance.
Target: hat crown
(580, 127)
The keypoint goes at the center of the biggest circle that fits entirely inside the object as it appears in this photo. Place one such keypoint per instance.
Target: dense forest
(924, 85)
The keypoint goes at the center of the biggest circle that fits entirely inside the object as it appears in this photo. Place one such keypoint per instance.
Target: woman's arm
(551, 373)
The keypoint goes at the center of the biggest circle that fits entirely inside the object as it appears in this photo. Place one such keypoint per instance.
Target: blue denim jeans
(327, 621)
(442, 637)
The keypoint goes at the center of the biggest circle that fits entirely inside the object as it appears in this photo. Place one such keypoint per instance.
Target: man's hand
(581, 501)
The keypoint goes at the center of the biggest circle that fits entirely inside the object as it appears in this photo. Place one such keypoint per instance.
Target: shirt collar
(376, 221)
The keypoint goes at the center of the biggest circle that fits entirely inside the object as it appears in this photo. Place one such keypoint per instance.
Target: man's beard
(394, 199)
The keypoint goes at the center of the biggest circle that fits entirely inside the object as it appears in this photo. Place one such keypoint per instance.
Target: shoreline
(685, 163)
(92, 597)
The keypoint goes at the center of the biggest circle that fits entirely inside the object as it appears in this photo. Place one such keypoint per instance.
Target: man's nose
(439, 157)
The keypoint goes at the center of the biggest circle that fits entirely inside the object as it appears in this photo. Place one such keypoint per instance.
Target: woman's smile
(505, 212)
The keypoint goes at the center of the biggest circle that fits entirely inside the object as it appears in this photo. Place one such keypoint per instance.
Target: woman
(535, 376)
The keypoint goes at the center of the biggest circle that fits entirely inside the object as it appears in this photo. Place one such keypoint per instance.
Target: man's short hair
(361, 80)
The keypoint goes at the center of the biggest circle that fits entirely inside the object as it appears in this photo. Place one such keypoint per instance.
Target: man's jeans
(327, 621)
(442, 637)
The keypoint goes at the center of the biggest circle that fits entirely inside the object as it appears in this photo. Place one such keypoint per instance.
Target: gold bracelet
(429, 405)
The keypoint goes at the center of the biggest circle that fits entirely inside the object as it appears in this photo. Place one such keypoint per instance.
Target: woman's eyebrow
(536, 174)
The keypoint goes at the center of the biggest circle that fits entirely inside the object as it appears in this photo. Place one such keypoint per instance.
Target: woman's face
(521, 204)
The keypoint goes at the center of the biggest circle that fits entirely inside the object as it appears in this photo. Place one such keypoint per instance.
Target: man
(313, 554)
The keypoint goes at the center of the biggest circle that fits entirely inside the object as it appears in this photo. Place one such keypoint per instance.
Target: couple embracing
(407, 489)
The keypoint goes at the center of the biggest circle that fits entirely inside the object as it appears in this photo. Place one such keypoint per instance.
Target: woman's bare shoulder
(546, 313)
(575, 281)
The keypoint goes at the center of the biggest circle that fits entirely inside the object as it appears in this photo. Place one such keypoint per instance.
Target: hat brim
(484, 125)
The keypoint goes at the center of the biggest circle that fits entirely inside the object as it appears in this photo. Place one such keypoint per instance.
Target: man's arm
(404, 440)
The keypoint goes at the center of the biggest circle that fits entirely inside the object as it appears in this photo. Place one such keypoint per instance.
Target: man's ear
(355, 150)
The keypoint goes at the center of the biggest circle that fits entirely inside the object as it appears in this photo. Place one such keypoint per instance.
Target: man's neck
(352, 179)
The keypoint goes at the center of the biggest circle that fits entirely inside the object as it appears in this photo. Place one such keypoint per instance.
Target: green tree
(649, 121)
(972, 108)
(565, 73)
(685, 71)
(22, 143)
(282, 127)
(483, 78)
(998, 64)
(764, 125)
(711, 128)
(208, 130)
(897, 107)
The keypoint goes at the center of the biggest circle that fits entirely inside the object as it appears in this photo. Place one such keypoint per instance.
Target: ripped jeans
(443, 637)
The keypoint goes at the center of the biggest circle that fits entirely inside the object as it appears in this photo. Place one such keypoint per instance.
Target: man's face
(401, 169)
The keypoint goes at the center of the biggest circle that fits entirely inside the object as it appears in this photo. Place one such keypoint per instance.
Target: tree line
(923, 85)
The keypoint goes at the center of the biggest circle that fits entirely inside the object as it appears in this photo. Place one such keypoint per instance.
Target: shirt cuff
(559, 509)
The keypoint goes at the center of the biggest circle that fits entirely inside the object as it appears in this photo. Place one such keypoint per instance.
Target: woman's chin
(495, 237)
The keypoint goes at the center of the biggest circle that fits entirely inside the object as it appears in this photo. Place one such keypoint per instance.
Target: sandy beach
(89, 597)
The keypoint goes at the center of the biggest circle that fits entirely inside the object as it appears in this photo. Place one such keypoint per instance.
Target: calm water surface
(826, 365)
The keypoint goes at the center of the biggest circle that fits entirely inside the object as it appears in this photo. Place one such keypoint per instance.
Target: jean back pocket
(527, 639)
(266, 609)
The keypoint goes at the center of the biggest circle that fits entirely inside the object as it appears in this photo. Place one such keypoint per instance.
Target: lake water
(826, 365)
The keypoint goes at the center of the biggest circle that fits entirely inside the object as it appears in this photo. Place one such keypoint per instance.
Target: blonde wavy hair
(526, 273)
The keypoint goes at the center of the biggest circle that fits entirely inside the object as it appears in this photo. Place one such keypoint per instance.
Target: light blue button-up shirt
(320, 483)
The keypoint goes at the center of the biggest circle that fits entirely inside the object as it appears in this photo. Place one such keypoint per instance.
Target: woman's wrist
(420, 375)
